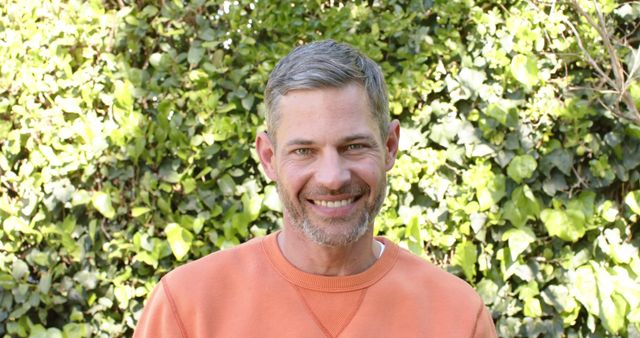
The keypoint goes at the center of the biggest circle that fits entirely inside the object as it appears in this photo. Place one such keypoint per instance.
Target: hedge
(126, 133)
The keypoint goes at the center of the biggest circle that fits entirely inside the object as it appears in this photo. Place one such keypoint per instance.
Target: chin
(342, 239)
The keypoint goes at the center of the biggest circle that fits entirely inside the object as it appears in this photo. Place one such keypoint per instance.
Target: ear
(266, 153)
(392, 143)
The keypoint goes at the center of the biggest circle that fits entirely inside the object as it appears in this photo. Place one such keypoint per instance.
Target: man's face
(330, 162)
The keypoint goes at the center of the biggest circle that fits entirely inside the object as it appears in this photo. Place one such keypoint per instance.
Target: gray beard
(322, 237)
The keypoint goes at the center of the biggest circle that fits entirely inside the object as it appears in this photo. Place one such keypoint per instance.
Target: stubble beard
(318, 234)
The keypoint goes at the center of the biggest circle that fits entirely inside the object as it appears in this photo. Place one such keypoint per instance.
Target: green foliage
(126, 131)
(525, 70)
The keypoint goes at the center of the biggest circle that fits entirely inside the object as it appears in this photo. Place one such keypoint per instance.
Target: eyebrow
(298, 142)
(360, 137)
(357, 137)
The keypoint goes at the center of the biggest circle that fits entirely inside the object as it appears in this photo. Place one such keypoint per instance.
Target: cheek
(369, 172)
(292, 178)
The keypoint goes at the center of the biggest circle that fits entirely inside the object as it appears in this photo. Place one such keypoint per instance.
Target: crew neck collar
(330, 283)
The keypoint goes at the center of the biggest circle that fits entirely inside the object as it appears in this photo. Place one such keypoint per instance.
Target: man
(328, 146)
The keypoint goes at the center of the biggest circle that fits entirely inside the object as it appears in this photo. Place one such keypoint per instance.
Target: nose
(332, 171)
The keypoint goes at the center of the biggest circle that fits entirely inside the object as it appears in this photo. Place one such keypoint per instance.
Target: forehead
(325, 113)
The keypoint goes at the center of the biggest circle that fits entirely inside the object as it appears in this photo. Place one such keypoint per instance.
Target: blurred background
(126, 149)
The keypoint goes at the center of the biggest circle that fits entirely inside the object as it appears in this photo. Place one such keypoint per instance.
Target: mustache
(350, 189)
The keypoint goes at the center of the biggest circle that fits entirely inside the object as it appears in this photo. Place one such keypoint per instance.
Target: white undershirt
(381, 247)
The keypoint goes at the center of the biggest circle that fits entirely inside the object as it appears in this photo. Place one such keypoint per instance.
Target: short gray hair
(326, 64)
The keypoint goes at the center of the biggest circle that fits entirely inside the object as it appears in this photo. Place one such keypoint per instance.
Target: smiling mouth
(333, 204)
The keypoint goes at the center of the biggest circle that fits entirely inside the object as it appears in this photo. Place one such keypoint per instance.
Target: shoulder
(200, 289)
(419, 275)
(446, 298)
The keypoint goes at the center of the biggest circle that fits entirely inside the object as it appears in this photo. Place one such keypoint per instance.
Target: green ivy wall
(127, 127)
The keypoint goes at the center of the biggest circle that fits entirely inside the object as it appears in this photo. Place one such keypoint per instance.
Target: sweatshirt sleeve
(484, 325)
(159, 317)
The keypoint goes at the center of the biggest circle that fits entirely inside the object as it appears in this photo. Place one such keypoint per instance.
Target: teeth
(333, 204)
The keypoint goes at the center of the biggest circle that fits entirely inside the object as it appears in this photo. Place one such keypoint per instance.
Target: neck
(318, 259)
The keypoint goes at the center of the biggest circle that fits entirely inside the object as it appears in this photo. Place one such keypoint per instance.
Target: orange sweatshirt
(253, 291)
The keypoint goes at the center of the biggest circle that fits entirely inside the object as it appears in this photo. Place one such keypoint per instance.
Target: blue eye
(355, 146)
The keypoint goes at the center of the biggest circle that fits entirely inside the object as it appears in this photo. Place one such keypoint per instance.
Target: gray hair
(326, 64)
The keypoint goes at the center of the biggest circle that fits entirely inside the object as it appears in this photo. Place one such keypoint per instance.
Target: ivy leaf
(412, 232)
(179, 239)
(147, 258)
(491, 193)
(525, 70)
(168, 173)
(70, 105)
(532, 307)
(124, 94)
(496, 111)
(521, 168)
(559, 158)
(519, 240)
(633, 201)
(488, 290)
(585, 285)
(247, 102)
(6, 281)
(80, 197)
(634, 90)
(76, 330)
(440, 134)
(88, 279)
(522, 207)
(634, 315)
(271, 199)
(472, 79)
(251, 204)
(123, 294)
(559, 297)
(443, 133)
(477, 220)
(20, 269)
(189, 185)
(149, 11)
(227, 185)
(45, 283)
(585, 203)
(567, 225)
(614, 309)
(608, 210)
(195, 54)
(102, 202)
(159, 60)
(465, 257)
(135, 212)
(554, 184)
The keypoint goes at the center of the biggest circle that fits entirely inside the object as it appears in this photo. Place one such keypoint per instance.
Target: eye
(302, 151)
(354, 146)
